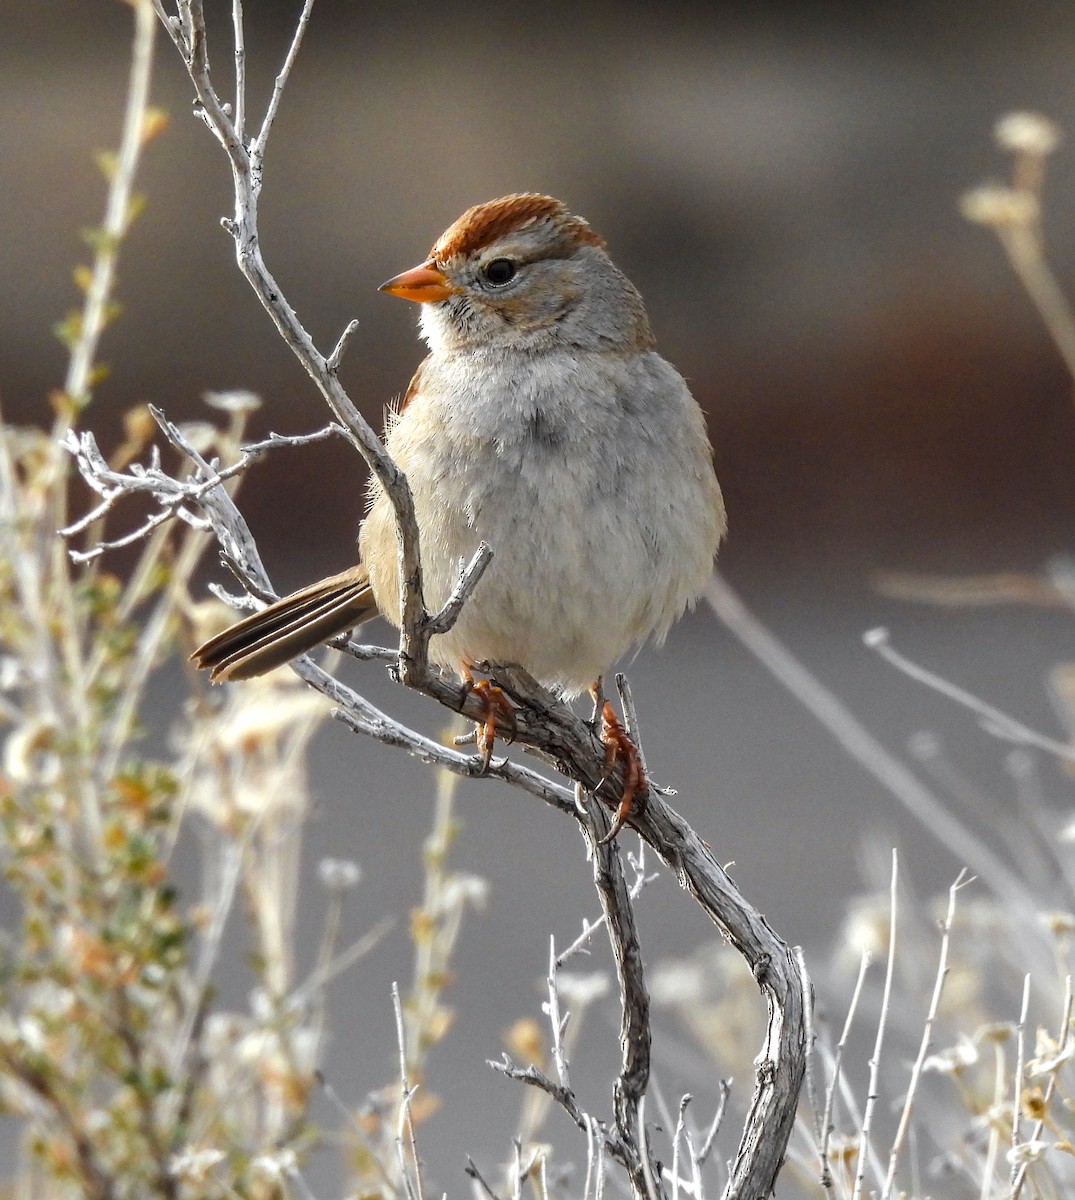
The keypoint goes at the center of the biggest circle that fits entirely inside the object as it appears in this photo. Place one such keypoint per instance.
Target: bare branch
(715, 1124)
(118, 213)
(677, 1137)
(239, 36)
(861, 745)
(962, 880)
(414, 665)
(830, 1093)
(882, 1022)
(442, 621)
(405, 1125)
(1020, 1061)
(1050, 1087)
(558, 1022)
(476, 1175)
(544, 724)
(340, 349)
(635, 1037)
(257, 149)
(991, 719)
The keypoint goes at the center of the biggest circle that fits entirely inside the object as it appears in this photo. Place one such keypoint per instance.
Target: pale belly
(601, 509)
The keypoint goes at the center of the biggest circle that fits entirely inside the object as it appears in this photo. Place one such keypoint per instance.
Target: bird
(542, 422)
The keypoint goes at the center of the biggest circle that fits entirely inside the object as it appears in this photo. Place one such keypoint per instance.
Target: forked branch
(544, 724)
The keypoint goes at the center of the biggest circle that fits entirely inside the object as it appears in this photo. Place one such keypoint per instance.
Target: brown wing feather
(290, 627)
(413, 388)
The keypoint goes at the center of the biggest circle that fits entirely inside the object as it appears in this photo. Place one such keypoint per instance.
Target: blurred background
(781, 181)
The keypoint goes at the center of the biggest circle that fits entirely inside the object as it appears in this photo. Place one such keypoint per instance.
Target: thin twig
(882, 1021)
(1020, 1060)
(866, 750)
(652, 1191)
(340, 349)
(1000, 1086)
(1050, 1087)
(259, 145)
(991, 719)
(246, 167)
(469, 577)
(927, 1033)
(715, 1124)
(94, 316)
(558, 1022)
(830, 1092)
(477, 1176)
(677, 1137)
(404, 1125)
(239, 36)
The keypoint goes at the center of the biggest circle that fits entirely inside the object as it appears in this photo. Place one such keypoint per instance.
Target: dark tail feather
(290, 627)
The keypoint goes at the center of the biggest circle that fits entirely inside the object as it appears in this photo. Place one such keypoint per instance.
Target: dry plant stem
(404, 1125)
(118, 210)
(48, 572)
(1020, 1062)
(677, 1137)
(558, 1022)
(927, 1035)
(472, 1170)
(865, 749)
(247, 162)
(715, 1124)
(992, 720)
(93, 1180)
(875, 1058)
(1000, 1085)
(1039, 1125)
(1023, 246)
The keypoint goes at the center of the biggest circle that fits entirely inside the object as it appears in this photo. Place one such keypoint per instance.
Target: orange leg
(494, 704)
(619, 745)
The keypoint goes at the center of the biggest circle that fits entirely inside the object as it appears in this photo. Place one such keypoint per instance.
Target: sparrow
(544, 423)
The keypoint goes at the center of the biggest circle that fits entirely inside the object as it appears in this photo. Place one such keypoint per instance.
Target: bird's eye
(499, 271)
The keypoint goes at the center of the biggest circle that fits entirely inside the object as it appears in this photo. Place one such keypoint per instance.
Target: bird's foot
(494, 704)
(618, 745)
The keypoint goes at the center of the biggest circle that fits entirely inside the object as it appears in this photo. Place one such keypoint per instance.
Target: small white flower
(275, 1166)
(1027, 1152)
(1027, 133)
(234, 400)
(460, 890)
(956, 1058)
(31, 1034)
(193, 1165)
(28, 754)
(1049, 1057)
(339, 874)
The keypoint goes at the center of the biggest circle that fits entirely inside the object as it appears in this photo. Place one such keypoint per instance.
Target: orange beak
(423, 284)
